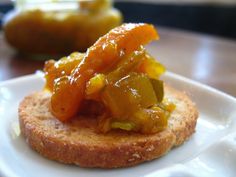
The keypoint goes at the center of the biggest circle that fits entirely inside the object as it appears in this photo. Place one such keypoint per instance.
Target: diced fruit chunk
(128, 94)
(151, 67)
(150, 120)
(63, 67)
(95, 84)
(158, 88)
(123, 125)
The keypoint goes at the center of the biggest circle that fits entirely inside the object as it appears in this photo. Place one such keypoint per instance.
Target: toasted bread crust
(77, 142)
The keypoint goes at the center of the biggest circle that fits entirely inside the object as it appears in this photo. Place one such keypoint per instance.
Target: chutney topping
(116, 80)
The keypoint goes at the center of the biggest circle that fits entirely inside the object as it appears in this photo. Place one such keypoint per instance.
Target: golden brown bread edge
(77, 142)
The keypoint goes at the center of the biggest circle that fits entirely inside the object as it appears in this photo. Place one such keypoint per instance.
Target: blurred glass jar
(58, 26)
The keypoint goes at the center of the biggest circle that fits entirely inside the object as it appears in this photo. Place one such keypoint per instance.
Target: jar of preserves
(58, 27)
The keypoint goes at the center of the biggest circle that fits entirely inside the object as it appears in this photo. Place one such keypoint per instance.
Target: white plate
(211, 151)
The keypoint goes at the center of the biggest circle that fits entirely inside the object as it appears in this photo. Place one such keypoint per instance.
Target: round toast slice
(77, 142)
